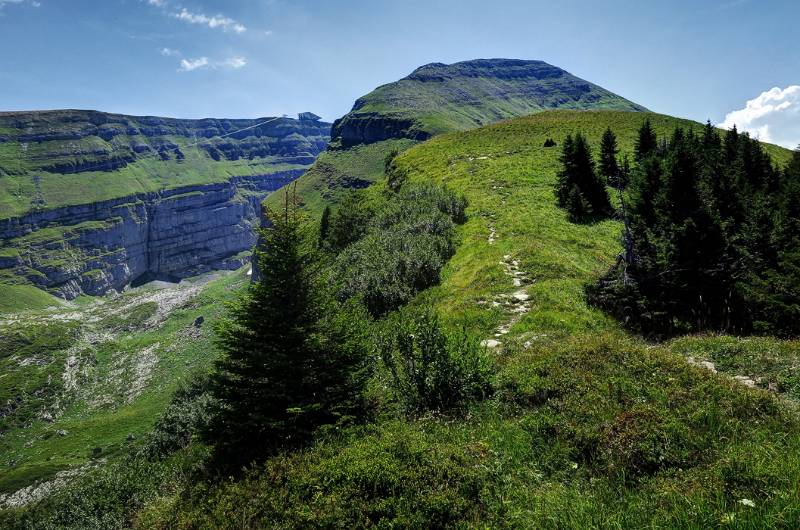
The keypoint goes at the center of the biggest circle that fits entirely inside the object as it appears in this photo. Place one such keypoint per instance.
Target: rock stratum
(91, 202)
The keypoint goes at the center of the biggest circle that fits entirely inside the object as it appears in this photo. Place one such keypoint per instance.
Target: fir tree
(579, 189)
(647, 142)
(290, 362)
(609, 167)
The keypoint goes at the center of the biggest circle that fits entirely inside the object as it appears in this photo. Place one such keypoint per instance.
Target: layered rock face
(98, 247)
(90, 201)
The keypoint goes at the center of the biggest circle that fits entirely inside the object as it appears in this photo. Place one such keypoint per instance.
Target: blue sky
(701, 59)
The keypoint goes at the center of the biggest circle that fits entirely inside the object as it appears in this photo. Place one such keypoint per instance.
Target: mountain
(91, 201)
(439, 98)
(586, 425)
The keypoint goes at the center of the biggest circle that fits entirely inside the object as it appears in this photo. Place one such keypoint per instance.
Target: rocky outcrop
(371, 127)
(170, 234)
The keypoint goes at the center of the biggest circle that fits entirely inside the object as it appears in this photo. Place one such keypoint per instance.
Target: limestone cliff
(91, 201)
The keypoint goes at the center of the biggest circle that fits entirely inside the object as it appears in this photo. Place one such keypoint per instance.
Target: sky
(730, 61)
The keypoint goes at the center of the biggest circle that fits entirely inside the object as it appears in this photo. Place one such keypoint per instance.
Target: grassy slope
(148, 174)
(461, 96)
(99, 413)
(333, 172)
(591, 428)
(15, 298)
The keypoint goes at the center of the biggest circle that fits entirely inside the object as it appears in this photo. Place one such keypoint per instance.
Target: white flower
(747, 502)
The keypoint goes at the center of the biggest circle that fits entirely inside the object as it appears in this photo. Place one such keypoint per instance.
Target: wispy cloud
(203, 63)
(169, 52)
(213, 22)
(34, 3)
(234, 62)
(189, 65)
(773, 116)
(218, 21)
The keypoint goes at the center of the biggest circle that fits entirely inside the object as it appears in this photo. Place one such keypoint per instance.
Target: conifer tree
(290, 361)
(609, 167)
(579, 188)
(646, 143)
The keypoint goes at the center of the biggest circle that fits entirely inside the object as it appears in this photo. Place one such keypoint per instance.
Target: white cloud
(34, 3)
(773, 116)
(217, 21)
(203, 63)
(170, 52)
(214, 22)
(187, 65)
(234, 62)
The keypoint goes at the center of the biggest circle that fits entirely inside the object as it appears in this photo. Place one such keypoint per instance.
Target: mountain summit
(437, 98)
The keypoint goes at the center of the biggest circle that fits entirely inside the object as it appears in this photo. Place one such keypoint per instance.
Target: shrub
(407, 243)
(186, 415)
(431, 369)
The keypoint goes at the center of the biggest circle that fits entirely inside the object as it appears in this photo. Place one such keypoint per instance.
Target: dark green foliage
(187, 414)
(348, 224)
(430, 368)
(107, 496)
(324, 225)
(549, 143)
(646, 143)
(579, 188)
(710, 226)
(609, 167)
(292, 360)
(407, 243)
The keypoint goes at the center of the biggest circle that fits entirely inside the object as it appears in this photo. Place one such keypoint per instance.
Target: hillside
(91, 201)
(438, 98)
(588, 426)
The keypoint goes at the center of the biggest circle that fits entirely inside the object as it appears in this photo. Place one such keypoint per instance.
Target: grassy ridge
(590, 428)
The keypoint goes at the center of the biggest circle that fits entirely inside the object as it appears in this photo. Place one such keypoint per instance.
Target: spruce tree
(579, 189)
(609, 167)
(647, 142)
(290, 362)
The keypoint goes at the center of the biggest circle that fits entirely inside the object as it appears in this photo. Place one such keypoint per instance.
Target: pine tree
(609, 167)
(647, 142)
(289, 362)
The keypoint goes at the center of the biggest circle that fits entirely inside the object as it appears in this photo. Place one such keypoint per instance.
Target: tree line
(711, 232)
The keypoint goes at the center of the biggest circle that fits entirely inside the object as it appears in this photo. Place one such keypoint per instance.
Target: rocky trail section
(515, 305)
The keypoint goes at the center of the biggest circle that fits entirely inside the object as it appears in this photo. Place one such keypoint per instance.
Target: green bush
(406, 245)
(188, 412)
(432, 369)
